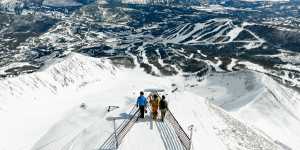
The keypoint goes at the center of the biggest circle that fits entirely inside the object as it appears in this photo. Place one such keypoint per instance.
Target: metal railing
(181, 134)
(124, 130)
(115, 139)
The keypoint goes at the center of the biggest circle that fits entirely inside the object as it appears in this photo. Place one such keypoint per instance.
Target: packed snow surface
(41, 111)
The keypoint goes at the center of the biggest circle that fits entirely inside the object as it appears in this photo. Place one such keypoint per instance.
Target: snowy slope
(215, 129)
(257, 100)
(28, 102)
(41, 110)
(70, 74)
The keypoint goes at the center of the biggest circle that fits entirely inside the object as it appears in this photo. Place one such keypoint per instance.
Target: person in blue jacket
(141, 103)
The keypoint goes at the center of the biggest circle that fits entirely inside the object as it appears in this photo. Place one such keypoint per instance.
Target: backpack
(163, 104)
(154, 102)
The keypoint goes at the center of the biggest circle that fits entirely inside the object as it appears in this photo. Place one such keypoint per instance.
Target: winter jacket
(154, 104)
(163, 104)
(141, 101)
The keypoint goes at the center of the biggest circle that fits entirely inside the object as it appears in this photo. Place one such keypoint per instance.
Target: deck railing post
(191, 128)
(115, 133)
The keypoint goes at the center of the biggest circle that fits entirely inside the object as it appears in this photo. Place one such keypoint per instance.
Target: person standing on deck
(154, 106)
(141, 103)
(163, 107)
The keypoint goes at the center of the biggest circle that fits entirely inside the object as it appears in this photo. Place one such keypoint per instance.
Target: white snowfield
(230, 111)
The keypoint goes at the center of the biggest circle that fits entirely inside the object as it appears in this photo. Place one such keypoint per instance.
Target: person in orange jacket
(154, 102)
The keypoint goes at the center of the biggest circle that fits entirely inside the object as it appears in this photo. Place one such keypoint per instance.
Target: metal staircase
(116, 138)
(181, 134)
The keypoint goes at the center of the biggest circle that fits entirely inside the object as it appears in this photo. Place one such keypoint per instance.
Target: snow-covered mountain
(249, 95)
(258, 39)
(231, 69)
(58, 90)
